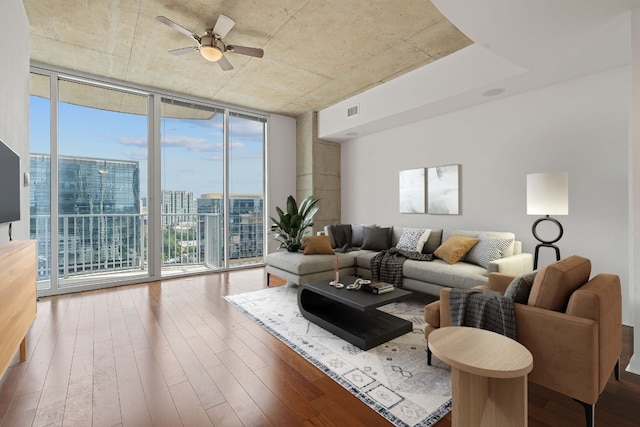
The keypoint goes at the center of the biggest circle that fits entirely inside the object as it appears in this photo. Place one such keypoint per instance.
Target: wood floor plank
(152, 321)
(244, 407)
(8, 387)
(133, 405)
(175, 352)
(77, 411)
(54, 393)
(161, 406)
(205, 388)
(191, 411)
(36, 373)
(267, 401)
(223, 415)
(22, 410)
(106, 401)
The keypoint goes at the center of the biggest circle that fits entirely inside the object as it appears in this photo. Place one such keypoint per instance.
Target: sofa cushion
(413, 239)
(555, 283)
(317, 245)
(459, 275)
(520, 288)
(455, 248)
(300, 264)
(376, 238)
(487, 249)
(435, 239)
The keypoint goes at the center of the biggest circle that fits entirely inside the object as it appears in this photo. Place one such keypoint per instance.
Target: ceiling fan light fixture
(211, 53)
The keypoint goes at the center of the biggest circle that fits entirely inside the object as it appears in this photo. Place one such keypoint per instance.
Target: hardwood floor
(174, 353)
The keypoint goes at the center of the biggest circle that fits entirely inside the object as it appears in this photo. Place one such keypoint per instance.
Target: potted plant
(291, 225)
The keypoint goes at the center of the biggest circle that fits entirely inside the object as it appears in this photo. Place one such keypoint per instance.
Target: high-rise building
(100, 226)
(178, 207)
(246, 223)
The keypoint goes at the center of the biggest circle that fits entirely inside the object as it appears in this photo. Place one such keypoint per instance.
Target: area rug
(392, 378)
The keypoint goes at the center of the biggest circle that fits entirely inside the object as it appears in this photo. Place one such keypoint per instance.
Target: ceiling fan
(210, 44)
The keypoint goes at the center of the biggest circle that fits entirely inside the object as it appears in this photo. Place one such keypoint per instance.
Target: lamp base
(546, 243)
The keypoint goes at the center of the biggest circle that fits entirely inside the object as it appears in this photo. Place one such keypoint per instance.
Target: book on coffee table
(378, 288)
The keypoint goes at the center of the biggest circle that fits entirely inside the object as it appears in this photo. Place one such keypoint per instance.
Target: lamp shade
(548, 193)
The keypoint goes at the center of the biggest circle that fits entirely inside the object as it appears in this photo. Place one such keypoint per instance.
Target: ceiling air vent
(353, 111)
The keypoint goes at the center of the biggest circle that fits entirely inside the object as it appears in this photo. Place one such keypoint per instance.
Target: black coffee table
(352, 314)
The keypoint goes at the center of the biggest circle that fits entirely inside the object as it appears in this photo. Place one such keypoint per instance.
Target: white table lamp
(547, 194)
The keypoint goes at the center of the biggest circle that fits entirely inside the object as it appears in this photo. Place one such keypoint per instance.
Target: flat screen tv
(9, 184)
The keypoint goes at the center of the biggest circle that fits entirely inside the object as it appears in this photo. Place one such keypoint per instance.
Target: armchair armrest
(514, 264)
(564, 348)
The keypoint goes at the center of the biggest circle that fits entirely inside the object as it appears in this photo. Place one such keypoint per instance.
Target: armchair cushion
(555, 283)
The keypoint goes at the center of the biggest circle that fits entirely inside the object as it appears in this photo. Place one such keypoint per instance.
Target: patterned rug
(393, 378)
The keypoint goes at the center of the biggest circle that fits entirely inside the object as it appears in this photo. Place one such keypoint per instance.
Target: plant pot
(294, 248)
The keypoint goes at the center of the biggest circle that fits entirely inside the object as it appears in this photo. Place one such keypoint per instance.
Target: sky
(192, 156)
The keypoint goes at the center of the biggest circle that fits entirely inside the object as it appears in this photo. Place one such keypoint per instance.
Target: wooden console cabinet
(17, 298)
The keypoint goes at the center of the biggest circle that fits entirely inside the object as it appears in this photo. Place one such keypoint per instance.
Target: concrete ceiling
(316, 53)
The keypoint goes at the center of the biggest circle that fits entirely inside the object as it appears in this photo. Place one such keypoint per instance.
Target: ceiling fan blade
(183, 50)
(225, 64)
(242, 50)
(178, 27)
(223, 25)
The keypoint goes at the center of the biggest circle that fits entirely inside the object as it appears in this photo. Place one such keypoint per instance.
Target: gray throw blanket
(342, 237)
(483, 309)
(386, 266)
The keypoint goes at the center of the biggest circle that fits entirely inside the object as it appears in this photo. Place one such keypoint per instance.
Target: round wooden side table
(488, 376)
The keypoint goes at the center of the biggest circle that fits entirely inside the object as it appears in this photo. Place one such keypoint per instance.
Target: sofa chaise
(427, 277)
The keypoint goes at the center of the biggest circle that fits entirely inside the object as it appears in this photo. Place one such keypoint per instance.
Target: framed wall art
(412, 191)
(443, 190)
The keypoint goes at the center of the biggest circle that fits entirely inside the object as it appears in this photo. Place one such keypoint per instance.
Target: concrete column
(318, 170)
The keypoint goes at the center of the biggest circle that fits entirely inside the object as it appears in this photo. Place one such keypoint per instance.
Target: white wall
(14, 99)
(281, 166)
(634, 180)
(580, 126)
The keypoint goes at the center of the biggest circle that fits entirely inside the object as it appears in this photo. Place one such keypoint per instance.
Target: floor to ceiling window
(122, 192)
(246, 189)
(192, 140)
(40, 171)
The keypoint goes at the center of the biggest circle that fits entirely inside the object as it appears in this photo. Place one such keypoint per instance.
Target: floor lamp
(547, 194)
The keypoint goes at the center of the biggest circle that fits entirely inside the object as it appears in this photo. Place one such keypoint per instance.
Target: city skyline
(192, 150)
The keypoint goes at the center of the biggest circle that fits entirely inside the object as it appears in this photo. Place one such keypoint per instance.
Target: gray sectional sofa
(420, 276)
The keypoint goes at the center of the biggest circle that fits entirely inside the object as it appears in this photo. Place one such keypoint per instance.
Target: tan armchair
(571, 325)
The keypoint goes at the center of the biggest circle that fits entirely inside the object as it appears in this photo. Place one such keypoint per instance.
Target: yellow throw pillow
(455, 248)
(317, 245)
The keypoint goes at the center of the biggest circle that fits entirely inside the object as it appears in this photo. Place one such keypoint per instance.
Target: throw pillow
(488, 249)
(413, 239)
(376, 238)
(435, 238)
(357, 234)
(520, 287)
(455, 248)
(317, 245)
